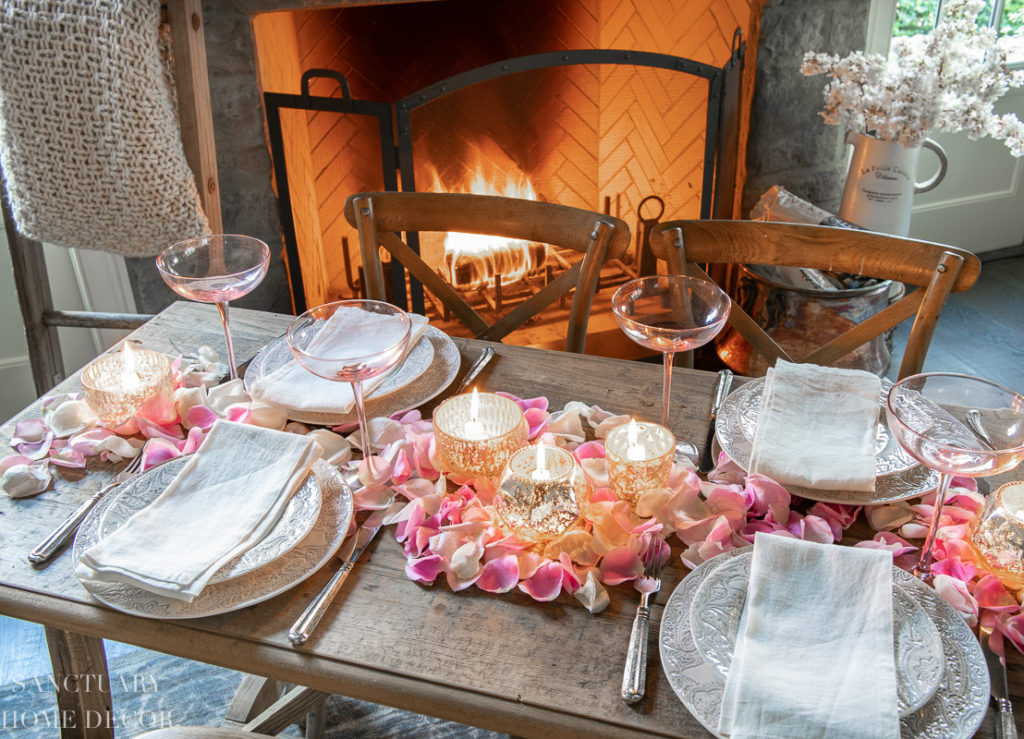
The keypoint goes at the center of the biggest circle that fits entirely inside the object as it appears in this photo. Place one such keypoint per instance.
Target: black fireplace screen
(597, 129)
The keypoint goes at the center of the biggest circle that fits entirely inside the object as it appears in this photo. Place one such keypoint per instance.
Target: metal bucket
(802, 319)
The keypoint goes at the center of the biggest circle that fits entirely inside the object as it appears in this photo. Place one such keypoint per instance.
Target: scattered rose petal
(499, 575)
(23, 480)
(546, 582)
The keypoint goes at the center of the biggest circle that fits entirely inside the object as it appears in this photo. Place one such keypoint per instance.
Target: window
(919, 16)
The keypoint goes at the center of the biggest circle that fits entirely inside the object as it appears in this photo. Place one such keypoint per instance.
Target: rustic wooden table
(502, 662)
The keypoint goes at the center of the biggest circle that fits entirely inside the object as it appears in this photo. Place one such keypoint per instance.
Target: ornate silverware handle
(486, 355)
(66, 531)
(634, 677)
(317, 607)
(1006, 727)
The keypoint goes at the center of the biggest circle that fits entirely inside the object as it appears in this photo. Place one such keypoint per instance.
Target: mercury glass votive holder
(541, 492)
(115, 385)
(999, 536)
(639, 456)
(475, 437)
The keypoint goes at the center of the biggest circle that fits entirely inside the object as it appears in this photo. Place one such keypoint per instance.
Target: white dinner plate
(718, 605)
(954, 712)
(291, 527)
(430, 367)
(256, 586)
(898, 475)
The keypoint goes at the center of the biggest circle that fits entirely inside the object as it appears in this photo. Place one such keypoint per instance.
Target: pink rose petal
(424, 569)
(620, 565)
(29, 431)
(546, 583)
(499, 575)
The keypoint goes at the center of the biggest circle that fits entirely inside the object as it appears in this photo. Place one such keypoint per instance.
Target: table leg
(82, 684)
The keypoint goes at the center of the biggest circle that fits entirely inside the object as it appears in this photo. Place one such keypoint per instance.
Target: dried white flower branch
(945, 80)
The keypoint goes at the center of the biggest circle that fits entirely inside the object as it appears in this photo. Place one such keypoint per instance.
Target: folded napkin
(816, 427)
(814, 652)
(222, 502)
(348, 330)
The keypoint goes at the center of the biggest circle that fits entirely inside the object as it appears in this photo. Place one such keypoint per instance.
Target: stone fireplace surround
(788, 144)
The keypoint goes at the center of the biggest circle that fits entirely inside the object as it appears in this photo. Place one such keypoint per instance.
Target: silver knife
(722, 385)
(1006, 728)
(317, 607)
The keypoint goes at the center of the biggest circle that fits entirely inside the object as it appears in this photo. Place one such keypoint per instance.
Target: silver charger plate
(898, 475)
(430, 367)
(292, 567)
(718, 605)
(292, 525)
(955, 711)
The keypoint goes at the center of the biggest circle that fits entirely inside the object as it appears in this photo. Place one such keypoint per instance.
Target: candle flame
(634, 449)
(541, 473)
(130, 379)
(474, 406)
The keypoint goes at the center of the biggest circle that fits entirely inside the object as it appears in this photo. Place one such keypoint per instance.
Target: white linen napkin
(294, 387)
(817, 426)
(222, 502)
(814, 652)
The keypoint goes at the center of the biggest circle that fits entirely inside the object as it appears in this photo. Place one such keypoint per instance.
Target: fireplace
(527, 99)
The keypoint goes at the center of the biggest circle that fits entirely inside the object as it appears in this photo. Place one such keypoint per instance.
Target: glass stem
(924, 564)
(223, 309)
(364, 430)
(666, 390)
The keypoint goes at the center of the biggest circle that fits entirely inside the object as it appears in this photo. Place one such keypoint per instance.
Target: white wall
(79, 280)
(16, 388)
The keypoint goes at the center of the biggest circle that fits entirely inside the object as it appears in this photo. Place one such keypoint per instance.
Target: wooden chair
(599, 237)
(934, 269)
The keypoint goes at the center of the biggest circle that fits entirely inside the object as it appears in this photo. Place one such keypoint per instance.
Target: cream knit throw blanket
(89, 139)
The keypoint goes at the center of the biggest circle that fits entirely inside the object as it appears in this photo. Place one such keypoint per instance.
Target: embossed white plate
(291, 568)
(430, 367)
(898, 475)
(954, 712)
(718, 605)
(294, 523)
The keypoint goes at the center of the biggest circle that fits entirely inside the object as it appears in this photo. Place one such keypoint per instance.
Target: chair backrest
(936, 270)
(380, 215)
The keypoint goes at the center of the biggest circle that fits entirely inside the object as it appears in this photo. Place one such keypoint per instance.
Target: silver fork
(634, 677)
(66, 531)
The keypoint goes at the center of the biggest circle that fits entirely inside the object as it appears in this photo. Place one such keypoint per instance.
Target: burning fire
(473, 260)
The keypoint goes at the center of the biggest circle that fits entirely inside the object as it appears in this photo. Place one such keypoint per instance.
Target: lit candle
(541, 473)
(639, 458)
(475, 434)
(116, 384)
(541, 492)
(634, 451)
(474, 430)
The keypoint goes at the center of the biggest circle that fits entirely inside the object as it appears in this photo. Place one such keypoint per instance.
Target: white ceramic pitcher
(880, 185)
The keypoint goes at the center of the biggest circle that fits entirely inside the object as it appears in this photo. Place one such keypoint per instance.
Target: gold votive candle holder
(541, 492)
(639, 456)
(999, 536)
(115, 385)
(475, 434)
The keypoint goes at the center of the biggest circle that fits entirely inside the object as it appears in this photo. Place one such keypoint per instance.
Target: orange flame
(472, 260)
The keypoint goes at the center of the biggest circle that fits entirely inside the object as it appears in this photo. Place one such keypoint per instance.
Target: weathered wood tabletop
(503, 662)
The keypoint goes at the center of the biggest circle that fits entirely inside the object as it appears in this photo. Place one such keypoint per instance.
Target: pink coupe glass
(957, 425)
(215, 269)
(670, 313)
